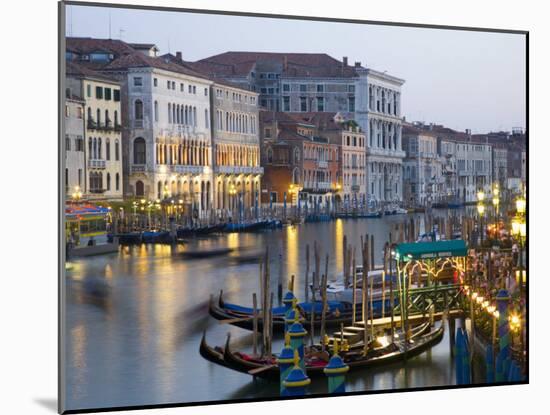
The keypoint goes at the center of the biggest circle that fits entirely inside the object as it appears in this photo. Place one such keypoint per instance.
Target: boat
(126, 238)
(360, 215)
(206, 253)
(383, 354)
(151, 237)
(339, 312)
(199, 230)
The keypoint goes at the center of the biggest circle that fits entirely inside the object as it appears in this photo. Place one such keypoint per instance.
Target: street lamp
(521, 204)
(77, 194)
(481, 211)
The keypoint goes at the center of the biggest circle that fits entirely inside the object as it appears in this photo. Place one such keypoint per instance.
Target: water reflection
(136, 341)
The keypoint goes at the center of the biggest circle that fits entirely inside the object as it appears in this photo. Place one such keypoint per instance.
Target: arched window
(108, 181)
(98, 117)
(117, 182)
(90, 114)
(139, 188)
(139, 151)
(296, 176)
(269, 155)
(116, 118)
(169, 113)
(95, 149)
(194, 116)
(206, 124)
(117, 150)
(138, 109)
(159, 190)
(156, 107)
(108, 149)
(90, 152)
(107, 120)
(296, 155)
(99, 148)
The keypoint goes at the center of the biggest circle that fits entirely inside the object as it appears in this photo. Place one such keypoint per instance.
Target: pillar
(503, 359)
(285, 361)
(336, 373)
(297, 335)
(296, 382)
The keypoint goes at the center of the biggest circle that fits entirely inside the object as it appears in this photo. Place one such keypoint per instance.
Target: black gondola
(354, 358)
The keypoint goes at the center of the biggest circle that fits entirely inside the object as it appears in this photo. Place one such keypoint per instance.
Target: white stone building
(75, 162)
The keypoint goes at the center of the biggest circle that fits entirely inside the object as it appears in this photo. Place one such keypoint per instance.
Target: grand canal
(135, 319)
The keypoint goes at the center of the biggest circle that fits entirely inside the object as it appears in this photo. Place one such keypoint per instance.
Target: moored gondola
(355, 358)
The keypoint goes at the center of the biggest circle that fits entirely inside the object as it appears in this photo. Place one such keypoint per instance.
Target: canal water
(134, 320)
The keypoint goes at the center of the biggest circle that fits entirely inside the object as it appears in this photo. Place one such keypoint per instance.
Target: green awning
(431, 250)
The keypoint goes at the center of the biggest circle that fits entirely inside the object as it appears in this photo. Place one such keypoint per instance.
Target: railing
(96, 164)
(240, 169)
(138, 168)
(91, 124)
(322, 164)
(138, 123)
(355, 187)
(118, 127)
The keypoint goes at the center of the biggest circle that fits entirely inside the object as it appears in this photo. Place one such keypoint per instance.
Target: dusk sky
(461, 79)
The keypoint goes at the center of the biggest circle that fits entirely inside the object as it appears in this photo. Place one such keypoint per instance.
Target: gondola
(127, 238)
(152, 237)
(339, 312)
(354, 358)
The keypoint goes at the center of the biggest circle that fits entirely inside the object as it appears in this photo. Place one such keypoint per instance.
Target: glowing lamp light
(496, 314)
(496, 201)
(481, 195)
(516, 224)
(485, 304)
(480, 209)
(523, 274)
(479, 299)
(521, 204)
(491, 309)
(496, 190)
(474, 296)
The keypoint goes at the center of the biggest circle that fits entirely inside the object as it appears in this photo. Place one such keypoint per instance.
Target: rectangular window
(181, 87)
(89, 90)
(286, 103)
(190, 89)
(320, 88)
(351, 104)
(99, 92)
(351, 88)
(66, 111)
(286, 87)
(79, 177)
(173, 85)
(138, 81)
(116, 95)
(107, 94)
(271, 91)
(320, 104)
(79, 112)
(303, 87)
(168, 84)
(267, 133)
(194, 89)
(263, 90)
(303, 104)
(155, 82)
(67, 143)
(205, 92)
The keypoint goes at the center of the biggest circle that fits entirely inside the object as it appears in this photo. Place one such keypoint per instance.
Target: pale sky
(461, 79)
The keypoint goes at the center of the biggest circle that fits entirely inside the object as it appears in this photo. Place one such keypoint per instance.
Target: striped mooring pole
(490, 364)
(296, 382)
(297, 335)
(336, 372)
(286, 363)
(503, 358)
(291, 316)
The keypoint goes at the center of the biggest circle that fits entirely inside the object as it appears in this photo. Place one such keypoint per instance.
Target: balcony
(118, 127)
(355, 188)
(322, 164)
(96, 164)
(91, 124)
(182, 169)
(240, 170)
(138, 123)
(138, 168)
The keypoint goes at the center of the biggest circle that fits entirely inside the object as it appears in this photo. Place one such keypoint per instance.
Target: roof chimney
(178, 56)
(285, 63)
(357, 64)
(468, 131)
(345, 60)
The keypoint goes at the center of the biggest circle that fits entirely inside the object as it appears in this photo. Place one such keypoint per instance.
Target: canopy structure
(84, 211)
(430, 250)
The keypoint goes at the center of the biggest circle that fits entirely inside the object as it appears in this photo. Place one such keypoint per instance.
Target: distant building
(75, 162)
(316, 82)
(423, 180)
(351, 177)
(298, 164)
(102, 138)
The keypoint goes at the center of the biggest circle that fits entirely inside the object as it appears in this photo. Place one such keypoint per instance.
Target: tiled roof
(81, 71)
(292, 64)
(85, 45)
